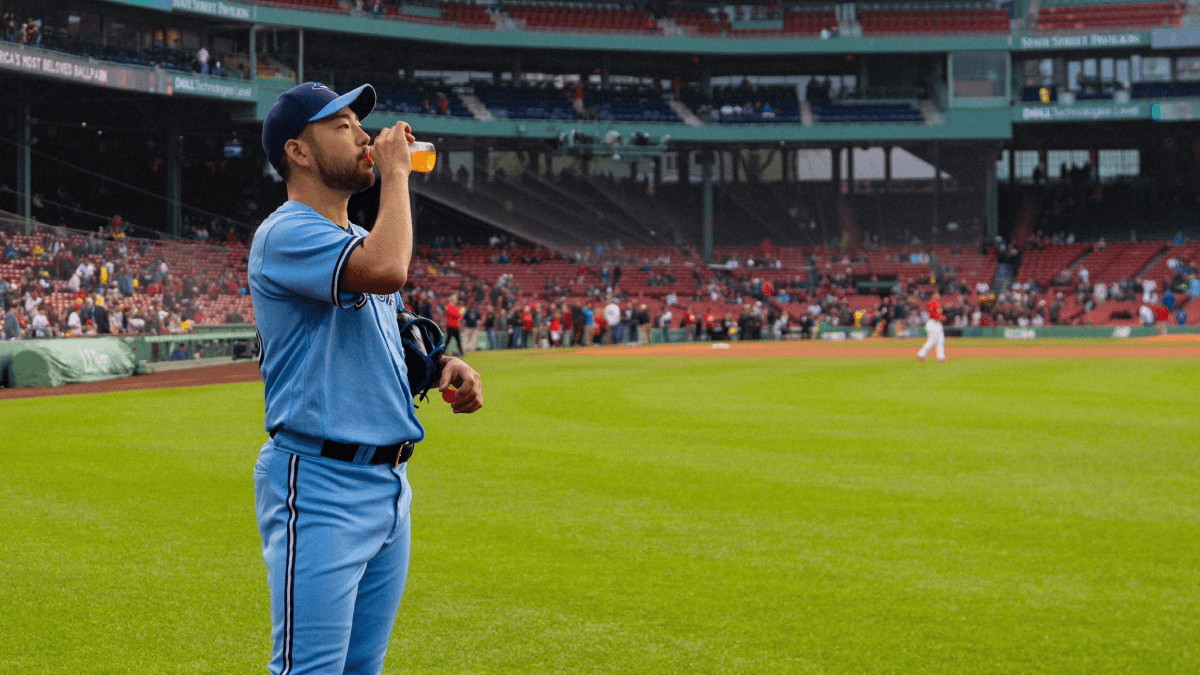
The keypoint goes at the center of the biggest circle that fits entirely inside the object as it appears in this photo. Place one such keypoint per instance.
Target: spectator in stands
(556, 328)
(202, 60)
(665, 323)
(377, 8)
(12, 323)
(453, 323)
(1146, 315)
(577, 324)
(612, 319)
(489, 327)
(470, 328)
(502, 331)
(443, 104)
(74, 323)
(40, 325)
(101, 318)
(644, 324)
(589, 324)
(525, 324)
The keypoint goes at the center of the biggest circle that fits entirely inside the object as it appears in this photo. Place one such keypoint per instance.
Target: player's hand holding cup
(390, 152)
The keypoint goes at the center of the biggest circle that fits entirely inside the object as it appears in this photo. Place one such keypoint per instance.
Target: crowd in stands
(35, 32)
(28, 32)
(615, 295)
(56, 282)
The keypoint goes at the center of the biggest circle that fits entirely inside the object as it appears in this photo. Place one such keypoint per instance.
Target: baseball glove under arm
(423, 350)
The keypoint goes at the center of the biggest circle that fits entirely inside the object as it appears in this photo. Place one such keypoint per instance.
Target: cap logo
(319, 85)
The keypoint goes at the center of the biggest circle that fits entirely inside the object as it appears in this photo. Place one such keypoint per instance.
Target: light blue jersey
(331, 360)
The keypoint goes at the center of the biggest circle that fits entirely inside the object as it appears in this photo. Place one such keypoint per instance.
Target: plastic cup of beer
(422, 154)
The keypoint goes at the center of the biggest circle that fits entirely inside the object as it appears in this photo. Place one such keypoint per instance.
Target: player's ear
(299, 151)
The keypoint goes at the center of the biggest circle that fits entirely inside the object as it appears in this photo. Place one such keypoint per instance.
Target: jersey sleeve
(308, 256)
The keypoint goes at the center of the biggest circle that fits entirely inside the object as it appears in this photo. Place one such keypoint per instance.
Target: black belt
(393, 455)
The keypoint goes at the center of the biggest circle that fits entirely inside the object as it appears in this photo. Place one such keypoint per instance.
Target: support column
(412, 205)
(887, 163)
(479, 166)
(25, 170)
(836, 153)
(706, 162)
(300, 58)
(992, 217)
(517, 70)
(850, 168)
(410, 66)
(254, 53)
(937, 191)
(174, 183)
(605, 69)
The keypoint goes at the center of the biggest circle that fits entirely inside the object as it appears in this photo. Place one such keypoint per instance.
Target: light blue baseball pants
(336, 539)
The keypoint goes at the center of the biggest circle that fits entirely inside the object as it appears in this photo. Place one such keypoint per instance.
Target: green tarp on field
(50, 363)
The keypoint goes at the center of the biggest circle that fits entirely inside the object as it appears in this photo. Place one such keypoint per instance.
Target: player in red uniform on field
(933, 329)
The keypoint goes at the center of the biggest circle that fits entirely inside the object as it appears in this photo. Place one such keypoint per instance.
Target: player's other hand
(390, 151)
(469, 395)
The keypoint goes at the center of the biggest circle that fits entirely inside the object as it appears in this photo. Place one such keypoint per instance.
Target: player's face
(340, 153)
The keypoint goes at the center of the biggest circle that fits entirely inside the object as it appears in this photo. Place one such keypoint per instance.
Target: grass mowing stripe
(653, 515)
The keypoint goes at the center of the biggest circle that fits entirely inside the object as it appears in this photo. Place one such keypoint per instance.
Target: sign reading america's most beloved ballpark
(60, 66)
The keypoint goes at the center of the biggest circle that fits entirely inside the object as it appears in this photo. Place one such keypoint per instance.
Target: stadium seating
(415, 97)
(730, 103)
(310, 5)
(703, 23)
(1160, 270)
(794, 24)
(867, 112)
(1121, 260)
(808, 23)
(1043, 266)
(581, 18)
(628, 106)
(934, 21)
(465, 13)
(1092, 16)
(1157, 90)
(525, 103)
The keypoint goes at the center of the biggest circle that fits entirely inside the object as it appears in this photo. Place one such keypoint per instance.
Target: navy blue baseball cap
(309, 102)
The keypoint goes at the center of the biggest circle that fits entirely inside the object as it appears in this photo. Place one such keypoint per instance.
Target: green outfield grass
(653, 515)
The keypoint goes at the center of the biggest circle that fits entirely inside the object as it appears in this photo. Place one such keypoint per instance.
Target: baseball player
(933, 329)
(331, 487)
